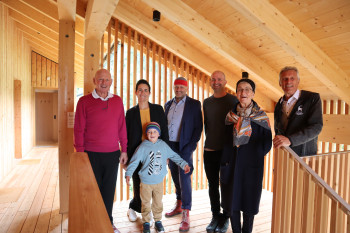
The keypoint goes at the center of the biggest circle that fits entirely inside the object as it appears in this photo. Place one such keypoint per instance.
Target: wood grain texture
(87, 212)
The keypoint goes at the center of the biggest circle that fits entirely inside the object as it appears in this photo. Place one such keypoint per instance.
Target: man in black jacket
(298, 115)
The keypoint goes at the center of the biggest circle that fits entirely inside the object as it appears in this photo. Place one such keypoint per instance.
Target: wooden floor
(29, 201)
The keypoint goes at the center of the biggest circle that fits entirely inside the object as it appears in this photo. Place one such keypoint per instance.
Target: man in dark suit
(298, 115)
(185, 126)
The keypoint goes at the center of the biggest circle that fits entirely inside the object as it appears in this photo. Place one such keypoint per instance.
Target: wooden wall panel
(15, 64)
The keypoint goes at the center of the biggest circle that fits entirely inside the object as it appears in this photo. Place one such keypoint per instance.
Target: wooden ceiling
(259, 37)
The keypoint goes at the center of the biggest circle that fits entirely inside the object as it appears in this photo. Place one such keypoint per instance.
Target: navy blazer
(191, 125)
(304, 123)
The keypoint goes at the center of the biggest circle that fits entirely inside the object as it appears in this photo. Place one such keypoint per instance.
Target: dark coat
(191, 125)
(241, 171)
(304, 124)
(134, 127)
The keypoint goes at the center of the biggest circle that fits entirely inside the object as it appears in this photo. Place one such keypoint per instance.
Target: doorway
(46, 122)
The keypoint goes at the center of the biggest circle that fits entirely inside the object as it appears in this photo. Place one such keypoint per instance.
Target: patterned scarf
(242, 129)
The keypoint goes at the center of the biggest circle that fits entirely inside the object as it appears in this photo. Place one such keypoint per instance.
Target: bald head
(218, 83)
(102, 72)
(218, 73)
(102, 81)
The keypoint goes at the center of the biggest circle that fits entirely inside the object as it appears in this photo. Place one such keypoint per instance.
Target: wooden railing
(334, 169)
(303, 201)
(87, 212)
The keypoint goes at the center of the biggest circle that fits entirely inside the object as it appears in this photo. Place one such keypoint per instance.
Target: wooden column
(91, 63)
(65, 106)
(18, 119)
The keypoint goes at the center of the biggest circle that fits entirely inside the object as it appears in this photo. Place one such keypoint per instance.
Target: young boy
(153, 154)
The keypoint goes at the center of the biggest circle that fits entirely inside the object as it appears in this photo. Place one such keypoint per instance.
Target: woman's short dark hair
(143, 81)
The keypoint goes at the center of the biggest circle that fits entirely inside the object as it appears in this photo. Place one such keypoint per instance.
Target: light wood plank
(87, 212)
(17, 103)
(65, 106)
(194, 23)
(97, 17)
(296, 43)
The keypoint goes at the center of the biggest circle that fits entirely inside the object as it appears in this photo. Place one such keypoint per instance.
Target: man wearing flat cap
(185, 126)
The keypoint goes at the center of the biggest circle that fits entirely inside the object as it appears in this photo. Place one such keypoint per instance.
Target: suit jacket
(304, 123)
(134, 127)
(191, 125)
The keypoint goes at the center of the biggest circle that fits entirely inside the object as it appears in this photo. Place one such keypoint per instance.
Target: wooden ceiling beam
(191, 21)
(18, 17)
(49, 9)
(297, 44)
(181, 48)
(37, 27)
(32, 13)
(97, 17)
(46, 42)
(67, 10)
(32, 32)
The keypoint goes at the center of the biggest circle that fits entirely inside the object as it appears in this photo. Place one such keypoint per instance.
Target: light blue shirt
(175, 113)
(153, 157)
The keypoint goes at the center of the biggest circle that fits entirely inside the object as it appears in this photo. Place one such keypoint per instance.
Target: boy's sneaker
(159, 227)
(146, 228)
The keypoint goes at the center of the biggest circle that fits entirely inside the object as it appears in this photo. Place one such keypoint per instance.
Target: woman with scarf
(249, 139)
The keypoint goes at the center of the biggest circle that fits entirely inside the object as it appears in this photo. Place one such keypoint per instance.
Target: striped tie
(150, 167)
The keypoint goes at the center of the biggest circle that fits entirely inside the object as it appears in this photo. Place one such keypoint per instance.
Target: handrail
(302, 200)
(336, 197)
(330, 153)
(87, 212)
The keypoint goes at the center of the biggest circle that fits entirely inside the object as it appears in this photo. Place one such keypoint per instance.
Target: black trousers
(212, 161)
(248, 221)
(135, 203)
(105, 167)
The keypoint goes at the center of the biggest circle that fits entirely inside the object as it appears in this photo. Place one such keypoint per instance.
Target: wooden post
(91, 63)
(116, 43)
(18, 119)
(65, 105)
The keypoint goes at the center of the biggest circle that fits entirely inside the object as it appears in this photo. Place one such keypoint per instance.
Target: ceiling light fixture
(156, 16)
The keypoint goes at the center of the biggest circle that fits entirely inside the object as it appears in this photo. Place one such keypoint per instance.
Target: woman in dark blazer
(136, 119)
(242, 165)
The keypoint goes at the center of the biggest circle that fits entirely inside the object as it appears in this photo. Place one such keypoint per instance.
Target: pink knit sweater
(100, 125)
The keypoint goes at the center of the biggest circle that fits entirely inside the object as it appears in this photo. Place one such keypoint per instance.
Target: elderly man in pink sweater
(100, 131)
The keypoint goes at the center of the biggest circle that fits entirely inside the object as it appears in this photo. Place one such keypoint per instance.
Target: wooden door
(46, 123)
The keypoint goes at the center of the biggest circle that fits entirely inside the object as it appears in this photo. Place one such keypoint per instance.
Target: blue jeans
(181, 180)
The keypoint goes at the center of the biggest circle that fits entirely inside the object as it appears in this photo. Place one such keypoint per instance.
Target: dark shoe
(222, 225)
(176, 210)
(185, 223)
(146, 227)
(115, 229)
(213, 224)
(159, 227)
